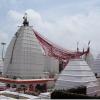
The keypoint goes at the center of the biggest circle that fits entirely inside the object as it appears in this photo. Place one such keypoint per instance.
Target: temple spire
(77, 46)
(25, 22)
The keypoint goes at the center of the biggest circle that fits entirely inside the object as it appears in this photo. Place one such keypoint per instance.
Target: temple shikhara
(32, 61)
(78, 73)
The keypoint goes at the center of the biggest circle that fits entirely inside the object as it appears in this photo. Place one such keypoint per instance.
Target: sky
(64, 22)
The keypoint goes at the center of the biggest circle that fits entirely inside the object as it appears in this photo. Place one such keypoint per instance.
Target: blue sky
(64, 22)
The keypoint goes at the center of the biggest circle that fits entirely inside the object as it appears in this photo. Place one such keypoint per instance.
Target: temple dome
(77, 73)
(24, 57)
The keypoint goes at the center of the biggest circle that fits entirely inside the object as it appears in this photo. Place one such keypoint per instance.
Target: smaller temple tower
(77, 73)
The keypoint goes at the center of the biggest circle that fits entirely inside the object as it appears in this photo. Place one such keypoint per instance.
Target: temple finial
(88, 43)
(88, 49)
(25, 22)
(77, 46)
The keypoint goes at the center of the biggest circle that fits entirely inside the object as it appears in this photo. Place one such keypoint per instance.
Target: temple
(78, 73)
(32, 61)
(24, 57)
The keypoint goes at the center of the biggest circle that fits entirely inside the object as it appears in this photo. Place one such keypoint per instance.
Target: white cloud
(33, 15)
(3, 36)
(67, 30)
(16, 16)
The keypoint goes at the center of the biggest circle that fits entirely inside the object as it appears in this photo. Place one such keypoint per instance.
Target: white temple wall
(1, 66)
(8, 55)
(96, 66)
(51, 65)
(27, 58)
(93, 91)
(89, 59)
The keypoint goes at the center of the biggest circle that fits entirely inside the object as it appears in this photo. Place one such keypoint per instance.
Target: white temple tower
(24, 57)
(89, 59)
(1, 66)
(77, 73)
(96, 66)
